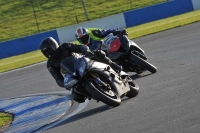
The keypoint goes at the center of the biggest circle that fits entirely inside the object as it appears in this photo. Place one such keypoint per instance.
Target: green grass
(14, 62)
(21, 60)
(5, 119)
(18, 19)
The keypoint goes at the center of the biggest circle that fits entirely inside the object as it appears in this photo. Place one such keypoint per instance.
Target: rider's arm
(103, 33)
(55, 72)
(74, 48)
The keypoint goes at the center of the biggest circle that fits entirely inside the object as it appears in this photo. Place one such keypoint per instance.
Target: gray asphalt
(168, 100)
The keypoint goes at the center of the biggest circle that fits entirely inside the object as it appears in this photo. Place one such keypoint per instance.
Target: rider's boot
(78, 97)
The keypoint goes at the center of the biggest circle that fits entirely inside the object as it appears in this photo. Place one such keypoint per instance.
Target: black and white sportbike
(97, 80)
(126, 53)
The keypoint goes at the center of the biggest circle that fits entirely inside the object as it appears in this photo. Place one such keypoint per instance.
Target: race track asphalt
(169, 100)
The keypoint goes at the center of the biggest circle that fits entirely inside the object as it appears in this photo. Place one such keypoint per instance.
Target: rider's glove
(124, 32)
(89, 54)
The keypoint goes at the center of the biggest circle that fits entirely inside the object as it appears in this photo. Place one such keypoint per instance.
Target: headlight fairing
(69, 81)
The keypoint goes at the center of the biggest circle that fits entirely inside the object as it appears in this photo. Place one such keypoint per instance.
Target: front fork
(99, 82)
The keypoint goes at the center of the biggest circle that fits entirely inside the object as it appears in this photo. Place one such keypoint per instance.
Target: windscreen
(67, 65)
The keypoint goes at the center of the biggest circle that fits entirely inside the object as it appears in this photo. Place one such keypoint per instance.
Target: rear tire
(101, 96)
(143, 63)
(134, 89)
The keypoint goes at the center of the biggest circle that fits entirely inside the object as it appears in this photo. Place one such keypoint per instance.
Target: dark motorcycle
(97, 80)
(127, 54)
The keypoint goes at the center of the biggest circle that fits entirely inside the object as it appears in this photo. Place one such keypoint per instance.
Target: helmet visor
(49, 51)
(84, 39)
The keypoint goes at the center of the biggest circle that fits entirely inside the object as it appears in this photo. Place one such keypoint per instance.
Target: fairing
(67, 65)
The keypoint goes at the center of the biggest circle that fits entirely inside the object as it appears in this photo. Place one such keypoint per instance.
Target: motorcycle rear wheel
(111, 100)
(143, 63)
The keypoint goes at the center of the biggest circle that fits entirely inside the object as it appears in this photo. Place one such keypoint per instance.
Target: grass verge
(5, 121)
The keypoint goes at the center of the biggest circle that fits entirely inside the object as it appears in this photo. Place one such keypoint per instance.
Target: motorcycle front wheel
(134, 89)
(108, 97)
(143, 63)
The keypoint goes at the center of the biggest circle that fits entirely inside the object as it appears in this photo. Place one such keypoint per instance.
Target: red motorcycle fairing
(115, 45)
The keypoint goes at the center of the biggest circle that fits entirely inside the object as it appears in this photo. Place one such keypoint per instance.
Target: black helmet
(82, 35)
(48, 46)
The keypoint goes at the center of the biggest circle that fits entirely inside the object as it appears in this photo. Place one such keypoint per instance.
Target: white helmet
(82, 35)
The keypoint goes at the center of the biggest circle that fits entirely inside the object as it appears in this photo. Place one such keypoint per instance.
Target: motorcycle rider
(55, 54)
(92, 36)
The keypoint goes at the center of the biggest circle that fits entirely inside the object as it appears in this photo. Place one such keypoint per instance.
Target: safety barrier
(24, 45)
(156, 12)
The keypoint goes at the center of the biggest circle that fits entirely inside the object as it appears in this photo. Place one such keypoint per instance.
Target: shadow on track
(84, 115)
(137, 76)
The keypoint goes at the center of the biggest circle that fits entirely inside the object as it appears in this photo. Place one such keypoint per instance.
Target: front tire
(98, 94)
(134, 89)
(143, 63)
